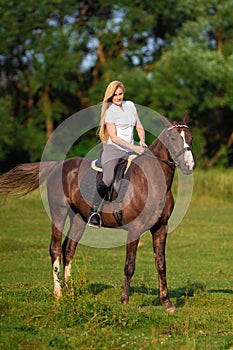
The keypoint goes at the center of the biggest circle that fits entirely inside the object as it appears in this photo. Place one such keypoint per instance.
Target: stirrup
(93, 225)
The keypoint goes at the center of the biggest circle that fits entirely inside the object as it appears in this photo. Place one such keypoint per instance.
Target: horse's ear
(166, 121)
(186, 119)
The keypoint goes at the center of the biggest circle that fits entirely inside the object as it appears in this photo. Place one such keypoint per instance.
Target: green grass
(200, 280)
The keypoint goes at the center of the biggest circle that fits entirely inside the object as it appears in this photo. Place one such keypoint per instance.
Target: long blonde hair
(106, 103)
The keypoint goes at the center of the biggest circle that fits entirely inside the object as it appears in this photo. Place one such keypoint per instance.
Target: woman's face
(118, 96)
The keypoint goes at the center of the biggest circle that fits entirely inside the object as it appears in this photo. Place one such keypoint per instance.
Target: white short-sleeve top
(124, 120)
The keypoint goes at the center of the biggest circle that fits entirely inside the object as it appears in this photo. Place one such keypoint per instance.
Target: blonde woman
(118, 120)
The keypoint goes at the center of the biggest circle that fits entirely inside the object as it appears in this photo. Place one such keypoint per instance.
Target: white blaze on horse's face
(188, 155)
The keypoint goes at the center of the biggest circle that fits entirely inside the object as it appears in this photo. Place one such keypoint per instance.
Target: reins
(171, 164)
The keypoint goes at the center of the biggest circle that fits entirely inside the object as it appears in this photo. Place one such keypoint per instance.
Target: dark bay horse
(147, 203)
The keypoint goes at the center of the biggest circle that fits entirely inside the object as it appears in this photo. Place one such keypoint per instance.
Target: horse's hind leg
(76, 230)
(58, 222)
(131, 251)
(159, 244)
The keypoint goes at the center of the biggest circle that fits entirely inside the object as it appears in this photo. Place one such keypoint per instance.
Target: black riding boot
(95, 217)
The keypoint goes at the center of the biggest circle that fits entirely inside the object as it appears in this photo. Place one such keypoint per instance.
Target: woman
(118, 119)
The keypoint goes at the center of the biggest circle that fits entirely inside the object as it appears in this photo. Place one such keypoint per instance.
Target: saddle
(121, 178)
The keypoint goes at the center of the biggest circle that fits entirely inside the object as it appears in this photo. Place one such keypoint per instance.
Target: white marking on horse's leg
(56, 276)
(67, 272)
(188, 156)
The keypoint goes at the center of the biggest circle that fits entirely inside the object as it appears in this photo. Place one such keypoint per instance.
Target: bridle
(174, 163)
(183, 150)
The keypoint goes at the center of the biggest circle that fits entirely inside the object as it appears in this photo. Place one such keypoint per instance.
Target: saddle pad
(98, 169)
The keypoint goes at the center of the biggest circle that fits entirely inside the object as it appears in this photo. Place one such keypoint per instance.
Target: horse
(146, 206)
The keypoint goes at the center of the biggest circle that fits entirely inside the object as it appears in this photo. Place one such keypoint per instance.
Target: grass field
(200, 280)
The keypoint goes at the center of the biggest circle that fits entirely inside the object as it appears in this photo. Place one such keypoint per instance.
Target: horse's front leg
(159, 244)
(131, 251)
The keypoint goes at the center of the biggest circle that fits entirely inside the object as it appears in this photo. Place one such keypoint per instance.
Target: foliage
(6, 130)
(57, 58)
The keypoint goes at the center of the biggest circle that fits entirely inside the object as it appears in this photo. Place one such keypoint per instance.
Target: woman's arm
(140, 131)
(111, 128)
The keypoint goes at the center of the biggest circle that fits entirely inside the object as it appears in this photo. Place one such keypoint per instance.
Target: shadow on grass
(226, 291)
(180, 294)
(97, 288)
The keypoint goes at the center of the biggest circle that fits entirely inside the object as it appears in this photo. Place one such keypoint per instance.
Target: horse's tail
(25, 178)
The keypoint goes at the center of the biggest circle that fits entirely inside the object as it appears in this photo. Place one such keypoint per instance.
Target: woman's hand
(139, 149)
(143, 144)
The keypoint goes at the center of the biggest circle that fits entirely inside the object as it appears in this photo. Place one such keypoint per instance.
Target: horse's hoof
(171, 309)
(124, 300)
(58, 294)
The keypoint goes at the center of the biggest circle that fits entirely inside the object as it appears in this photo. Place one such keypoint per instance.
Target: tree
(195, 76)
(57, 57)
(6, 130)
(39, 59)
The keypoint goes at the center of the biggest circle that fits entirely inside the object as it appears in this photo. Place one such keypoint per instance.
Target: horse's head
(178, 141)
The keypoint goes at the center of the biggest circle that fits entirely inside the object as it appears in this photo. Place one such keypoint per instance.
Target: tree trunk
(220, 152)
(47, 111)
